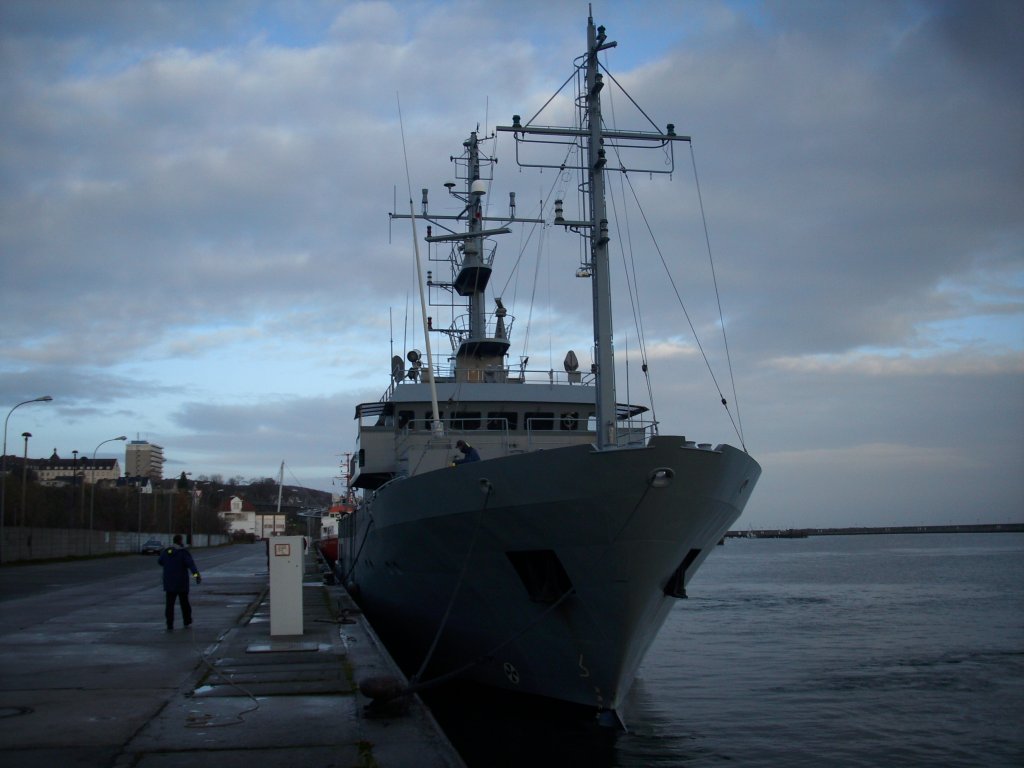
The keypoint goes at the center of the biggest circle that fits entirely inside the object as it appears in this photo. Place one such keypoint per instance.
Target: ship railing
(635, 433)
(497, 326)
(453, 255)
(497, 436)
(446, 373)
(492, 433)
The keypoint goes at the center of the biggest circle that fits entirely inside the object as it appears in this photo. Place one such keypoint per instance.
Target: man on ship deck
(469, 453)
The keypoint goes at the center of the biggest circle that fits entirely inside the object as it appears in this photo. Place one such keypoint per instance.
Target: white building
(242, 517)
(58, 471)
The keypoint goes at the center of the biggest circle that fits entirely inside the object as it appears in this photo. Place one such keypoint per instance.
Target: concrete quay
(89, 676)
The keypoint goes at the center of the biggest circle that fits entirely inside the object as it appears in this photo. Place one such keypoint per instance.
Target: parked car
(152, 547)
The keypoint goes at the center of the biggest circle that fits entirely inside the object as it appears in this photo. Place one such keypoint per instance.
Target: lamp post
(3, 467)
(191, 507)
(192, 514)
(74, 485)
(71, 503)
(92, 490)
(138, 541)
(24, 476)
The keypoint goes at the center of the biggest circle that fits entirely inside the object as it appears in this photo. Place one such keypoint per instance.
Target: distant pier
(801, 533)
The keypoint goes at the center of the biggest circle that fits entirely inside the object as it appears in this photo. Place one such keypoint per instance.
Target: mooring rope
(416, 687)
(458, 584)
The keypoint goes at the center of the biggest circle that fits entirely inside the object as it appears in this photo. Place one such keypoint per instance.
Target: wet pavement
(89, 676)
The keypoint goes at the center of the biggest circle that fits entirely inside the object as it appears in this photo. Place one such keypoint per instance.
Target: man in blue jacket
(469, 453)
(178, 565)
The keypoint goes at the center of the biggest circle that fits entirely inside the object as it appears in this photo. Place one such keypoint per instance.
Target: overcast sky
(196, 250)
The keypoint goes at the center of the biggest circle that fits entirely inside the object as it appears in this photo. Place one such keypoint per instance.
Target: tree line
(167, 506)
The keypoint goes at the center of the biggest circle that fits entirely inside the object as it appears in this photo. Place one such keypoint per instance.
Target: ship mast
(473, 248)
(593, 135)
(604, 355)
(477, 350)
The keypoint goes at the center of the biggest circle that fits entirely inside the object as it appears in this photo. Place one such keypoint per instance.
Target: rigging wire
(552, 98)
(686, 314)
(737, 421)
(525, 237)
(633, 288)
(718, 298)
(632, 283)
(437, 428)
(405, 326)
(552, 190)
(626, 94)
(550, 315)
(522, 249)
(533, 295)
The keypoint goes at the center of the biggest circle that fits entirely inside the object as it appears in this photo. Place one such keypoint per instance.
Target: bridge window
(466, 420)
(540, 421)
(498, 421)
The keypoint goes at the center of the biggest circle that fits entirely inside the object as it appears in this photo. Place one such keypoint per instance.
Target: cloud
(195, 243)
(859, 363)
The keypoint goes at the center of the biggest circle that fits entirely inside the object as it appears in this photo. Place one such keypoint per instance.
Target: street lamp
(191, 509)
(74, 486)
(92, 491)
(3, 467)
(24, 475)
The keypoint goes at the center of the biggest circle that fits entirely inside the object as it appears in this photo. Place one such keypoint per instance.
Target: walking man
(178, 565)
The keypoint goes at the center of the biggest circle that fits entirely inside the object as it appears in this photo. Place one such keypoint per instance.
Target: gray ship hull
(547, 573)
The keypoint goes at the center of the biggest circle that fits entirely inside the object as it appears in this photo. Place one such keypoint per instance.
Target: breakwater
(799, 533)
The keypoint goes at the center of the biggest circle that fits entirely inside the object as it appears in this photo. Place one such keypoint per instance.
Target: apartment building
(144, 459)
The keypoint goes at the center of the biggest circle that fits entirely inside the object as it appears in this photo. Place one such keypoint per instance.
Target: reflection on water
(494, 729)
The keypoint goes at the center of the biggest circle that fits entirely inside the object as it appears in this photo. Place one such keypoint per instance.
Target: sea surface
(880, 650)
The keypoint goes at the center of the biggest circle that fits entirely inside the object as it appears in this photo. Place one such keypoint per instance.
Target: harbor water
(895, 650)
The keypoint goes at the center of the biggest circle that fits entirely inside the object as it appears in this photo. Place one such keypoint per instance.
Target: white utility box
(286, 570)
